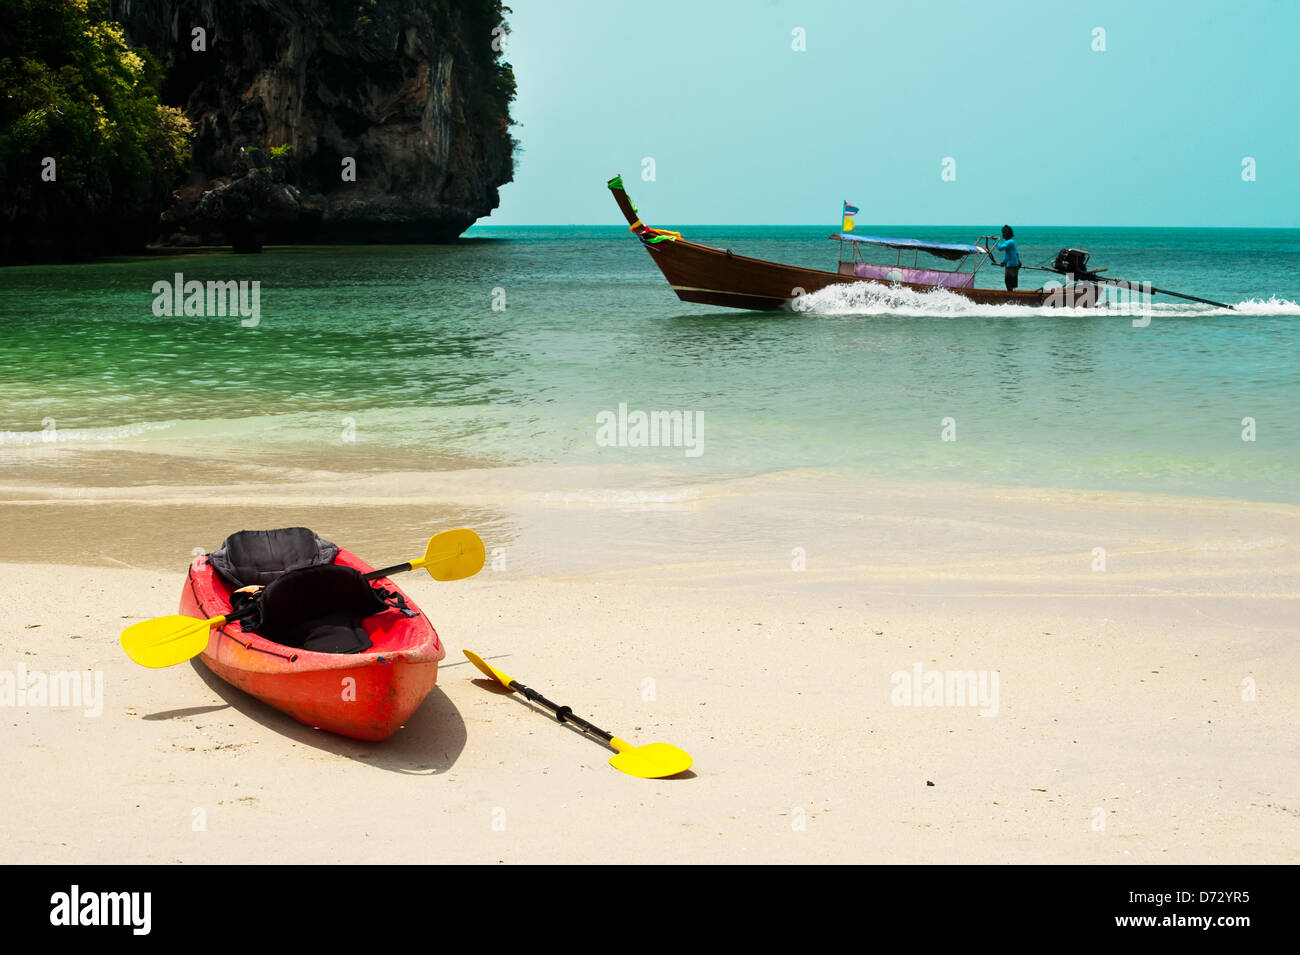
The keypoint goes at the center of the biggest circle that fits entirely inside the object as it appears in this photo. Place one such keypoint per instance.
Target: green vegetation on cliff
(352, 120)
(72, 89)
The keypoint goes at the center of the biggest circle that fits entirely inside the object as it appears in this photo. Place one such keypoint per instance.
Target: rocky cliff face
(288, 97)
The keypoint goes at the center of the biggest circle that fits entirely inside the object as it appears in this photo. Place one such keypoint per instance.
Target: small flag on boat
(849, 212)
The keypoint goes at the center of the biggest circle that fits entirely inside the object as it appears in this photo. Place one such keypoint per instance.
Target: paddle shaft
(407, 565)
(562, 713)
(388, 571)
(243, 613)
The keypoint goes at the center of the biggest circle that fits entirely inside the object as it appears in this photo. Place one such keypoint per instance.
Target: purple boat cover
(948, 250)
(897, 273)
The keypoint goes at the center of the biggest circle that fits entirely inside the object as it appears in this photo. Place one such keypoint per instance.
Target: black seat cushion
(259, 557)
(317, 608)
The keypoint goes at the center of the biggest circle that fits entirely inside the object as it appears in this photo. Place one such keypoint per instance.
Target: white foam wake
(1269, 306)
(870, 298)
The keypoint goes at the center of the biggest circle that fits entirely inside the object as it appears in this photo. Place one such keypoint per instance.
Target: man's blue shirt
(1012, 258)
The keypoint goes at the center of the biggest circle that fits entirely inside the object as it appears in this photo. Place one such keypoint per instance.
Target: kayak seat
(258, 557)
(307, 601)
(318, 608)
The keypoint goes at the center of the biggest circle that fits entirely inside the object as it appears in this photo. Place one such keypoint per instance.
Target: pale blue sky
(1043, 129)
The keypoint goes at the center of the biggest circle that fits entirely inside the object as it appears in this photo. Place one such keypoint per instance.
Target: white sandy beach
(1125, 729)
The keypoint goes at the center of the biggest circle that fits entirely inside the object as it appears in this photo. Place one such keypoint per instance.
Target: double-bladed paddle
(651, 761)
(166, 641)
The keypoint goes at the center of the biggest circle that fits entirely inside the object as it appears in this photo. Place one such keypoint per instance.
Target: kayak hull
(366, 696)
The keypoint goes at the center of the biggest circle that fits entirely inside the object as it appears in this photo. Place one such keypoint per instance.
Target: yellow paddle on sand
(166, 641)
(651, 761)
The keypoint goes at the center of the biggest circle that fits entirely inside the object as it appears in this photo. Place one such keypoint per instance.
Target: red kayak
(365, 695)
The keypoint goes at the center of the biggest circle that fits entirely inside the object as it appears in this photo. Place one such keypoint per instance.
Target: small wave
(608, 497)
(52, 434)
(870, 299)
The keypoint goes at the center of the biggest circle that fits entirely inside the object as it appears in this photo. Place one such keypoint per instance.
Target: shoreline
(143, 508)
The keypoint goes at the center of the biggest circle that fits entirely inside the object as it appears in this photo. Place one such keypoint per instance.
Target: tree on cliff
(73, 91)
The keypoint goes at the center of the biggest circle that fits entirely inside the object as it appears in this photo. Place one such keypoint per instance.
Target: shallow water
(370, 355)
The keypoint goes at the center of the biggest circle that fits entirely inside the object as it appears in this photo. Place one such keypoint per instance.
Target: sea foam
(874, 299)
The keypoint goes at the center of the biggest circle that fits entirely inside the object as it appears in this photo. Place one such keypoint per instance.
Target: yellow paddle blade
(452, 555)
(166, 641)
(651, 761)
(488, 669)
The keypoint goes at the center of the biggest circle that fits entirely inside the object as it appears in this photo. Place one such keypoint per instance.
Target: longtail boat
(709, 276)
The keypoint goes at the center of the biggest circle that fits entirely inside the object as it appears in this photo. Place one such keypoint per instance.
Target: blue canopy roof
(947, 250)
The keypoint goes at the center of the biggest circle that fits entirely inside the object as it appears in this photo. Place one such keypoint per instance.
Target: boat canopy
(947, 250)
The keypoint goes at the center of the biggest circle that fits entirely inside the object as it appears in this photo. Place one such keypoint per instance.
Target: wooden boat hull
(709, 276)
(365, 696)
(699, 273)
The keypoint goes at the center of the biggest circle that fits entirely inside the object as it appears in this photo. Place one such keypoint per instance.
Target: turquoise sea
(397, 353)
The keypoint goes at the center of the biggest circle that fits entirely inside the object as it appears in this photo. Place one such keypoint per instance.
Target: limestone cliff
(286, 96)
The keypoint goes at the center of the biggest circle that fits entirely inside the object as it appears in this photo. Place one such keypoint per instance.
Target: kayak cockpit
(305, 593)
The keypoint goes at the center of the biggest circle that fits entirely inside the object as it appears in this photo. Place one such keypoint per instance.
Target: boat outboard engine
(1073, 262)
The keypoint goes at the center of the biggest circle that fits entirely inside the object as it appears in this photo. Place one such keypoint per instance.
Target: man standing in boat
(1011, 260)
